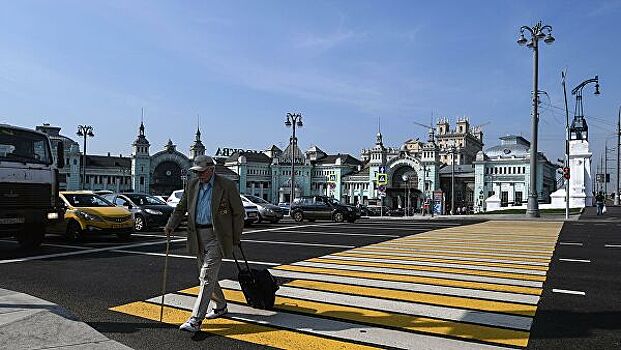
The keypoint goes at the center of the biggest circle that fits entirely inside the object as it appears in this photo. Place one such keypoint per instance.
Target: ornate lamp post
(536, 33)
(85, 131)
(293, 120)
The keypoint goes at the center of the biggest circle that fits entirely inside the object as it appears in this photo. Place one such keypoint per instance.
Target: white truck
(28, 184)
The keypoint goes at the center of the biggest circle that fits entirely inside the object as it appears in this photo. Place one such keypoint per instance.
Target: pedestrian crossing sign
(382, 179)
(332, 178)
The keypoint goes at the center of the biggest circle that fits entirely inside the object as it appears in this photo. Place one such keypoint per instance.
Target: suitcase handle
(243, 255)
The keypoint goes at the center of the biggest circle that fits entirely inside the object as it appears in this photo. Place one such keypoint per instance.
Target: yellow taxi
(90, 214)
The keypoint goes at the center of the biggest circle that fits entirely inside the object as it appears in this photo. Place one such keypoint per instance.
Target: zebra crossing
(459, 287)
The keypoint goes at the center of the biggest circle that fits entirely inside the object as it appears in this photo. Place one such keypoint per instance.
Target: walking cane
(164, 278)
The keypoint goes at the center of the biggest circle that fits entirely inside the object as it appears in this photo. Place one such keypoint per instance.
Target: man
(215, 223)
(599, 201)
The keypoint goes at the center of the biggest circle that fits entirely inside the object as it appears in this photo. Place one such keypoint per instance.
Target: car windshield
(257, 200)
(81, 200)
(24, 146)
(143, 199)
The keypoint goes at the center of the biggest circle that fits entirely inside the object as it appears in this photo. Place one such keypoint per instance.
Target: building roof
(224, 171)
(251, 157)
(346, 159)
(510, 146)
(94, 161)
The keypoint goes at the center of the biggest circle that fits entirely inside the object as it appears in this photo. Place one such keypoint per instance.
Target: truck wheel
(298, 216)
(31, 237)
(338, 217)
(73, 232)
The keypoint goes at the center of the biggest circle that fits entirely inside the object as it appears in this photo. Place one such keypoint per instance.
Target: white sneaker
(190, 326)
(215, 313)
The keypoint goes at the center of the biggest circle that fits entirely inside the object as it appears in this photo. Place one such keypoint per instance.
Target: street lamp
(537, 32)
(406, 179)
(85, 131)
(293, 120)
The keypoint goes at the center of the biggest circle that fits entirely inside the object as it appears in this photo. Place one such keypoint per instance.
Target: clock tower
(580, 181)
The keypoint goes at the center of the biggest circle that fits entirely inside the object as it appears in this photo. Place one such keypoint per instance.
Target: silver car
(267, 211)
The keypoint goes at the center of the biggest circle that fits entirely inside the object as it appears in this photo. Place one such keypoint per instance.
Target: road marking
(240, 329)
(190, 257)
(294, 288)
(461, 257)
(337, 233)
(564, 291)
(412, 287)
(571, 243)
(453, 264)
(470, 247)
(300, 243)
(575, 260)
(346, 327)
(612, 245)
(463, 251)
(287, 227)
(402, 272)
(89, 251)
(415, 279)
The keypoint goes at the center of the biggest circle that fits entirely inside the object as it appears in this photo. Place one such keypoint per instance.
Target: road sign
(381, 188)
(332, 178)
(382, 179)
(382, 169)
(382, 194)
(332, 185)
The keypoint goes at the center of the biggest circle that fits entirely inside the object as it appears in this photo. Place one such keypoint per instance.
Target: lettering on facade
(228, 151)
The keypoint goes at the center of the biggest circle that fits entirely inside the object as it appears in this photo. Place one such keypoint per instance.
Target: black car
(149, 211)
(312, 208)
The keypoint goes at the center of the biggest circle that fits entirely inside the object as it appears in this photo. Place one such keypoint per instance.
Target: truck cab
(29, 198)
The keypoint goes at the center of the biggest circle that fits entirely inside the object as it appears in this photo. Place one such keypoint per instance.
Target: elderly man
(215, 223)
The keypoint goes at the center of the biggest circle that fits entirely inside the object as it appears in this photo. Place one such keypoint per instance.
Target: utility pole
(567, 181)
(606, 170)
(618, 147)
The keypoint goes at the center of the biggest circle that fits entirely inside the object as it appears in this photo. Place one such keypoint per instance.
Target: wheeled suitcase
(259, 286)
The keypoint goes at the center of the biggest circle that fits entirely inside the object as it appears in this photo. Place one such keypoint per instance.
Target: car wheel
(298, 216)
(140, 225)
(31, 236)
(73, 232)
(338, 217)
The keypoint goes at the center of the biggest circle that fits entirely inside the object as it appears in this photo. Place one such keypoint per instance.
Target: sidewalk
(478, 217)
(27, 322)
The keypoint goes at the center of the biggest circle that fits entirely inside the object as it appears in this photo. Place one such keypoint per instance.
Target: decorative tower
(430, 160)
(580, 181)
(197, 148)
(141, 162)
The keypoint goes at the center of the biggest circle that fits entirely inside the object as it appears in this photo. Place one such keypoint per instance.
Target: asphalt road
(469, 287)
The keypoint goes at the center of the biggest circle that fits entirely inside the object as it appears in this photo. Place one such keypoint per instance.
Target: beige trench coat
(227, 214)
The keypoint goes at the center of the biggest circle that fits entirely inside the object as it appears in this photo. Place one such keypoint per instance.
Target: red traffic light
(566, 173)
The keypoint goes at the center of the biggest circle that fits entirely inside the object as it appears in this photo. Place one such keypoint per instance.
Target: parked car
(89, 214)
(251, 213)
(174, 198)
(285, 206)
(267, 211)
(378, 210)
(149, 211)
(322, 207)
(162, 198)
(102, 192)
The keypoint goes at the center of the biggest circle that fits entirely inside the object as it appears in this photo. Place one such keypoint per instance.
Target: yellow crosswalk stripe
(243, 331)
(453, 254)
(461, 248)
(406, 322)
(427, 298)
(415, 279)
(446, 261)
(510, 275)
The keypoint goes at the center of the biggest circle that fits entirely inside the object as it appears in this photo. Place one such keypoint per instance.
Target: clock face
(168, 172)
(506, 151)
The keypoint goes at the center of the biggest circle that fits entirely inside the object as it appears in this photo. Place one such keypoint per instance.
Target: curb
(27, 322)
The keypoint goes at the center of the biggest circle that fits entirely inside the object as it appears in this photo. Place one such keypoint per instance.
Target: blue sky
(242, 65)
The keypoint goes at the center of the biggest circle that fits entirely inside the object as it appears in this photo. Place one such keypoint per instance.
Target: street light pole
(537, 32)
(563, 75)
(85, 131)
(618, 147)
(293, 120)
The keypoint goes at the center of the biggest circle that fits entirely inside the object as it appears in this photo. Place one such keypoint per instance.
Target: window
(142, 180)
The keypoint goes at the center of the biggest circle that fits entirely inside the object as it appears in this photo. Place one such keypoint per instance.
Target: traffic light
(566, 172)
